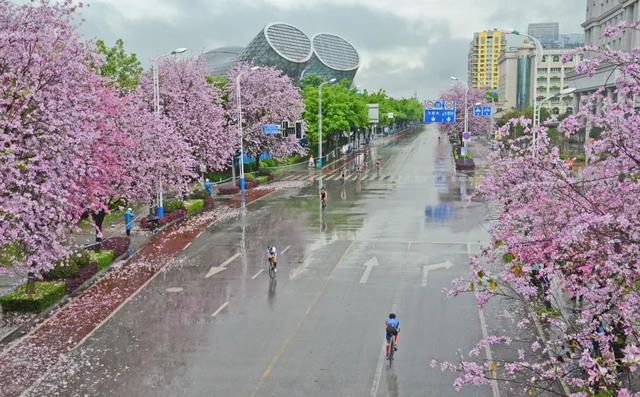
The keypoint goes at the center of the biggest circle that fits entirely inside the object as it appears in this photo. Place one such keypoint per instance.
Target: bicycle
(392, 348)
(272, 268)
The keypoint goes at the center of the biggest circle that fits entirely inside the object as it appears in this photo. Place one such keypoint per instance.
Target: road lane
(317, 330)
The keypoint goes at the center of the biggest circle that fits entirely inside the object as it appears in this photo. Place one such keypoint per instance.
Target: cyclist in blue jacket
(392, 326)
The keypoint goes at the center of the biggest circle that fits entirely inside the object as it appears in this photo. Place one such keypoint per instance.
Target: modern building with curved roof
(287, 48)
(220, 60)
(333, 57)
(279, 45)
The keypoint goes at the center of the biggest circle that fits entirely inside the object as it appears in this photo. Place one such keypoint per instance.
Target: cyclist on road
(323, 196)
(272, 257)
(392, 326)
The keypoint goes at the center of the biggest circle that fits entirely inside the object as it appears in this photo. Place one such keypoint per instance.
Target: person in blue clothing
(208, 186)
(392, 326)
(128, 221)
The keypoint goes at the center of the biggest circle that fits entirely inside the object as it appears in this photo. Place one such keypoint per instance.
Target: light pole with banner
(241, 161)
(319, 162)
(156, 105)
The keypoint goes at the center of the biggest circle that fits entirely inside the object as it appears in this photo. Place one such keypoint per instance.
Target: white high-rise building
(601, 15)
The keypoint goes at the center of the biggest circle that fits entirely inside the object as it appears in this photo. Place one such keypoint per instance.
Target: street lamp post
(539, 55)
(466, 109)
(156, 106)
(240, 137)
(319, 162)
(538, 110)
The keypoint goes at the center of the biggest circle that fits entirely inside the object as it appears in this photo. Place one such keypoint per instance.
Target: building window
(556, 58)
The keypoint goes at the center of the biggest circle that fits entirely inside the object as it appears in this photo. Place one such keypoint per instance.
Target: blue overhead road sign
(482, 111)
(440, 112)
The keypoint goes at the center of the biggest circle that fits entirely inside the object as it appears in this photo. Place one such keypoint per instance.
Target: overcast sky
(404, 45)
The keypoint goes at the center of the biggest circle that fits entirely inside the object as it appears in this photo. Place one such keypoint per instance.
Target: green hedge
(249, 177)
(69, 267)
(103, 258)
(262, 180)
(193, 205)
(45, 294)
(170, 205)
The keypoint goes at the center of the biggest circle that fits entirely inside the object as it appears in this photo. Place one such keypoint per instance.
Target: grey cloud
(201, 25)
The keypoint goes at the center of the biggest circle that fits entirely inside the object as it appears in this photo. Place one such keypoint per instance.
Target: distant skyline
(405, 46)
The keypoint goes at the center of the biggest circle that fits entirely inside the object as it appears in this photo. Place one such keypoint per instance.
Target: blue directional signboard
(271, 129)
(482, 111)
(440, 112)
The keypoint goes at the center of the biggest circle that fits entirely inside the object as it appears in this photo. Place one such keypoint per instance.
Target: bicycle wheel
(392, 345)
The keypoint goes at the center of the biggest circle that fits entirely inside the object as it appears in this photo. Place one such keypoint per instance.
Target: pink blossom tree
(566, 250)
(55, 131)
(268, 97)
(476, 125)
(193, 110)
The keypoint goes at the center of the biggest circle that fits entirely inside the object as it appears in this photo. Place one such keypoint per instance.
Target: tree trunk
(98, 218)
(258, 162)
(31, 283)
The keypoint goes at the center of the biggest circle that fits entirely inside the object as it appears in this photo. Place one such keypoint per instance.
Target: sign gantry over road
(440, 112)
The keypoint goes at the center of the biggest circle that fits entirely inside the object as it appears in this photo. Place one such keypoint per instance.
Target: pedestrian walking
(312, 163)
(128, 220)
(208, 186)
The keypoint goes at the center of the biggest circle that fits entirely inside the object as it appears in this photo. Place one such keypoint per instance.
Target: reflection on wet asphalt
(317, 330)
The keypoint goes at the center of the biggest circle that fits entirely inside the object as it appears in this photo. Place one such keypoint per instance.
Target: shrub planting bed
(228, 189)
(193, 205)
(119, 245)
(262, 180)
(103, 258)
(85, 273)
(45, 294)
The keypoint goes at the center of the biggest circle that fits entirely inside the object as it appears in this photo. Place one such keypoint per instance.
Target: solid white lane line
(376, 378)
(485, 335)
(285, 249)
(220, 309)
(257, 274)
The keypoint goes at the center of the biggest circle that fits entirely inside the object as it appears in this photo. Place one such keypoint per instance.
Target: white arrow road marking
(221, 308)
(427, 268)
(222, 267)
(368, 267)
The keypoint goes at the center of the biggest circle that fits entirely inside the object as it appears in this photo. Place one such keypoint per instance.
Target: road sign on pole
(482, 111)
(440, 112)
(270, 129)
(466, 136)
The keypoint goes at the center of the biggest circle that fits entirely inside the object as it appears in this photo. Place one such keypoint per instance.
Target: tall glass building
(287, 48)
(221, 59)
(333, 57)
(281, 46)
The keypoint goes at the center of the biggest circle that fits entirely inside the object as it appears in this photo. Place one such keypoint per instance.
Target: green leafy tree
(122, 68)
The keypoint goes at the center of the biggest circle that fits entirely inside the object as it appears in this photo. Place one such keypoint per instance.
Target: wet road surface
(213, 324)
